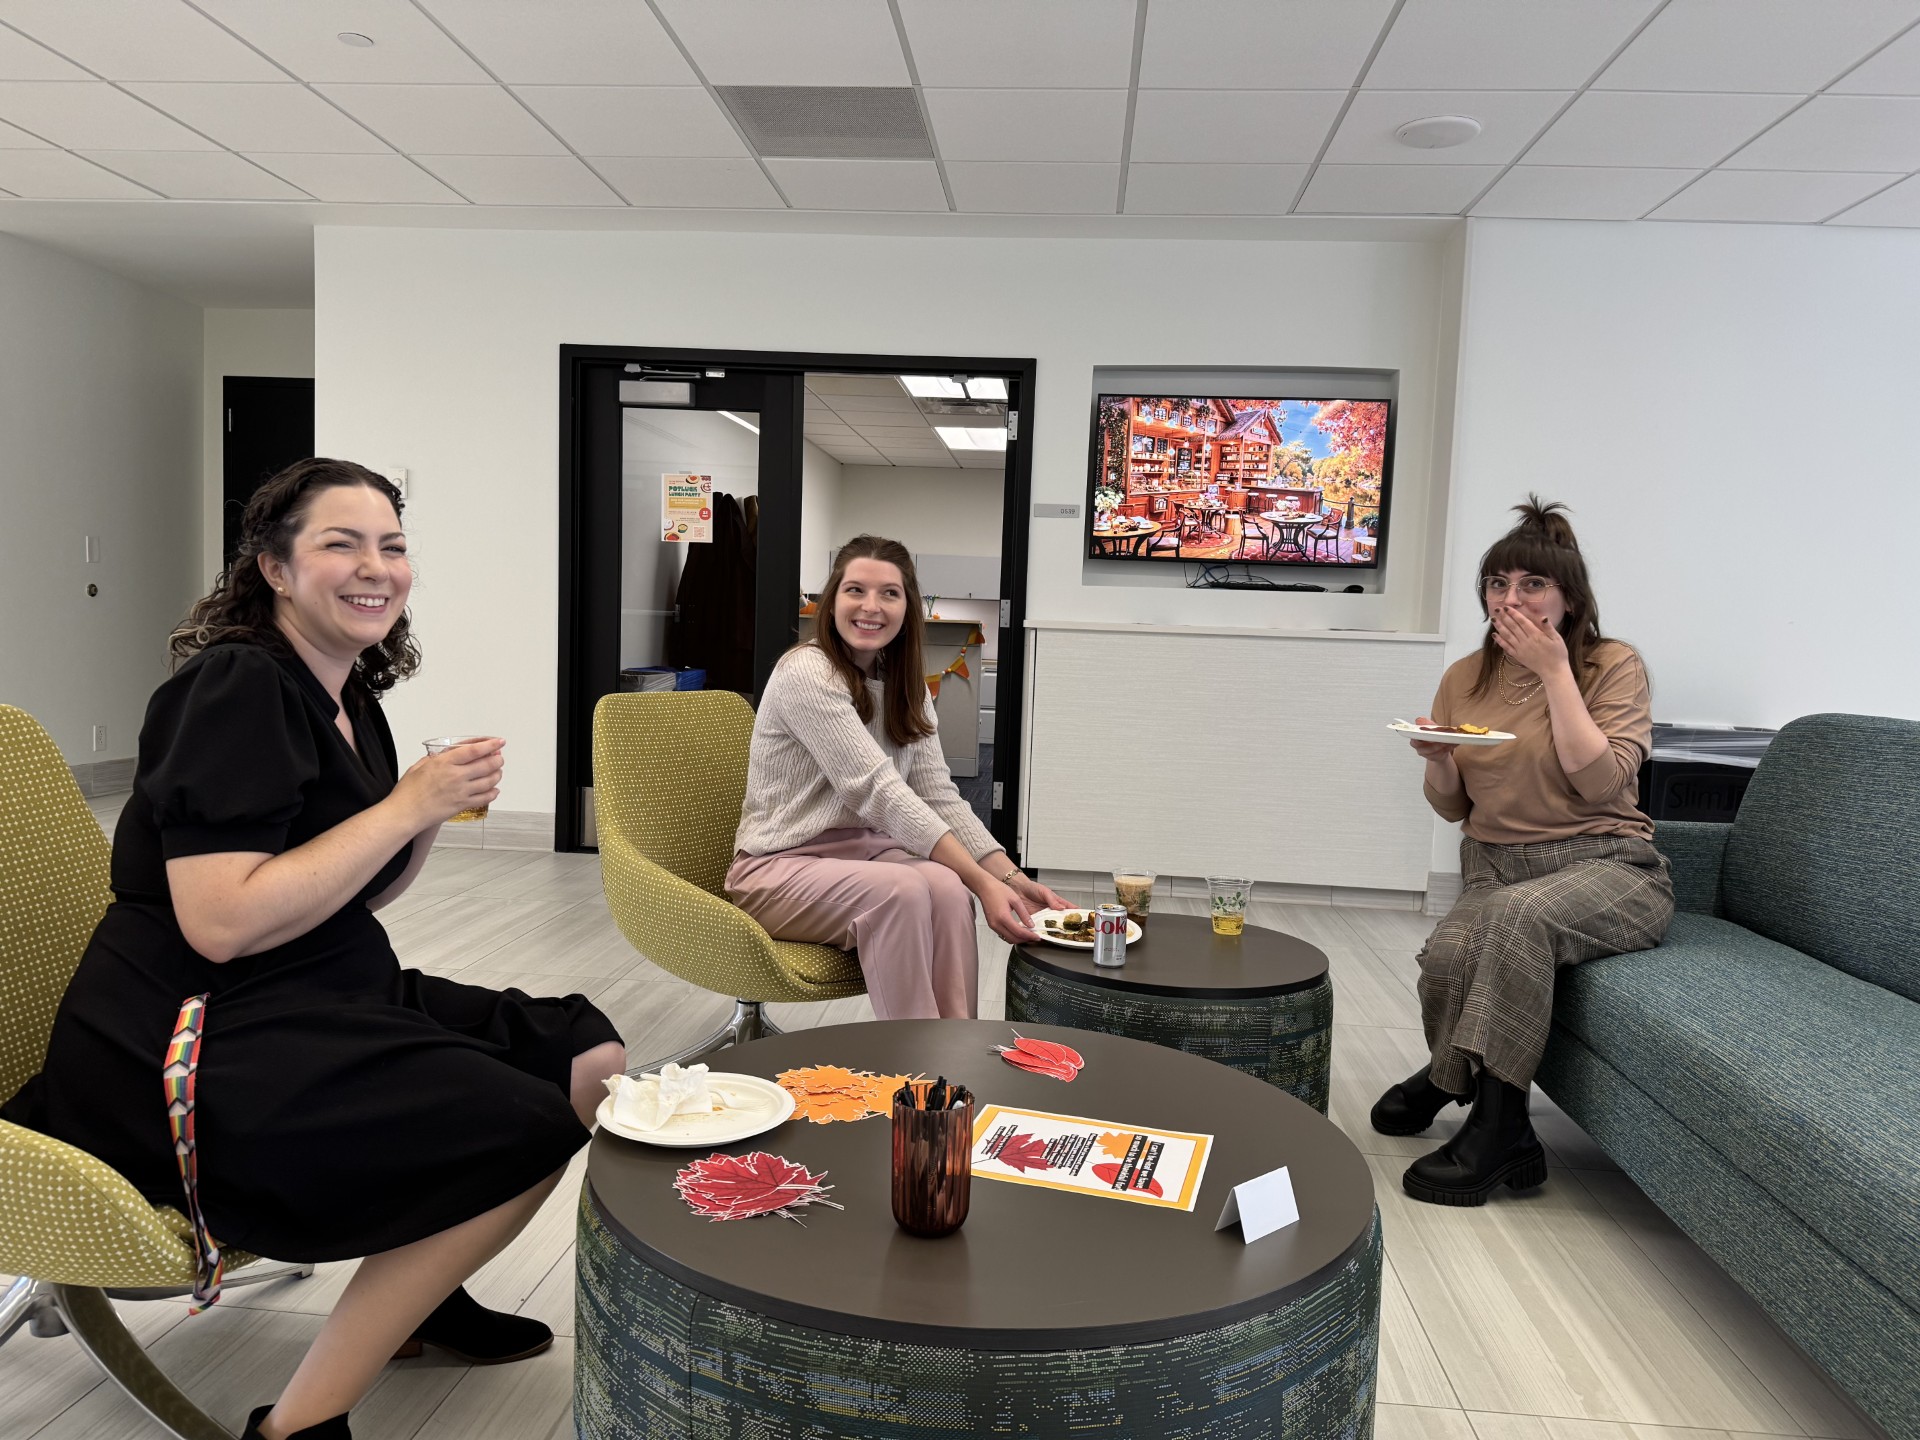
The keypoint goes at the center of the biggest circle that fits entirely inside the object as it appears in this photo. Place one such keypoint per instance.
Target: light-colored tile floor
(1576, 1313)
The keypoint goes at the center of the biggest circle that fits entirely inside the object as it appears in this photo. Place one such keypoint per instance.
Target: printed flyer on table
(1093, 1157)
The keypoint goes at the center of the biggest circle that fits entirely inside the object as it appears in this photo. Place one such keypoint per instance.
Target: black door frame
(590, 536)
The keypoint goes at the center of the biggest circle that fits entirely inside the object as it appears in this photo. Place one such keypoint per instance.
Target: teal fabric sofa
(1758, 1073)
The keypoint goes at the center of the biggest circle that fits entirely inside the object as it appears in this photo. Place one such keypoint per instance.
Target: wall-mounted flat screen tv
(1240, 480)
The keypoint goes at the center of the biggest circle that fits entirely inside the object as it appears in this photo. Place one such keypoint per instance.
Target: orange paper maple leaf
(1115, 1144)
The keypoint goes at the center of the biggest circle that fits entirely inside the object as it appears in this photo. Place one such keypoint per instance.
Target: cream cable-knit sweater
(814, 767)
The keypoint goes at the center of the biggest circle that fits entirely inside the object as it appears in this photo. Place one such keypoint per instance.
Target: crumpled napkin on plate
(651, 1101)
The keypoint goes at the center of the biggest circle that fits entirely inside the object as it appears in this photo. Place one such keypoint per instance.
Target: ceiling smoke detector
(355, 39)
(1437, 132)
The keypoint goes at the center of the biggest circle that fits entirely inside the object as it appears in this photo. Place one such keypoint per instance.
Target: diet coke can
(1110, 935)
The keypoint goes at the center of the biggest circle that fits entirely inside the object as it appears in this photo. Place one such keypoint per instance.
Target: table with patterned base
(1259, 1001)
(1047, 1314)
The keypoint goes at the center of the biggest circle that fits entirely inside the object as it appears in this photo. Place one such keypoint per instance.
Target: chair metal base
(88, 1315)
(748, 1022)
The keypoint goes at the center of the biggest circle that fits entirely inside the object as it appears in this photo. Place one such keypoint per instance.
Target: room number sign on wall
(686, 508)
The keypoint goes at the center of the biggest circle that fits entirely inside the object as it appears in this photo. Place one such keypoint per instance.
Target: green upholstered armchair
(669, 775)
(73, 1231)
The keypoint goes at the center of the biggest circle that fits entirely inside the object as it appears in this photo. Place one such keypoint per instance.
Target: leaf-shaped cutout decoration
(1024, 1153)
(1037, 1066)
(1115, 1144)
(1050, 1050)
(1110, 1172)
(735, 1187)
(1042, 1057)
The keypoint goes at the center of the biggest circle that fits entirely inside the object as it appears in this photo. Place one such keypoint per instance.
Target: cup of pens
(932, 1156)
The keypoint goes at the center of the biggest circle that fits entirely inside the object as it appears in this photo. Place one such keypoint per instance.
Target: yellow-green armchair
(73, 1231)
(669, 776)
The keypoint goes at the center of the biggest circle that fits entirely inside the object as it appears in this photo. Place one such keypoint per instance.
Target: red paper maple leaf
(733, 1187)
(1024, 1153)
(1111, 1173)
(1042, 1057)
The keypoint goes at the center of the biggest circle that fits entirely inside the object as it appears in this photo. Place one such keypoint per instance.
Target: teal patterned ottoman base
(654, 1360)
(1285, 1040)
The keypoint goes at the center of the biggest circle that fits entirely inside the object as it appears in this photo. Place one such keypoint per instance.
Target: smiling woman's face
(346, 582)
(869, 608)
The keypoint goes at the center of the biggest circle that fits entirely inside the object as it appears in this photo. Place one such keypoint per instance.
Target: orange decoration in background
(1115, 1144)
(825, 1093)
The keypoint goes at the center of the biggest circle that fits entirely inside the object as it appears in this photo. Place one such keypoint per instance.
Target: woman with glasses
(1557, 858)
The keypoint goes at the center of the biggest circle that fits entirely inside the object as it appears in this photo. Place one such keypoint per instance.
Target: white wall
(437, 350)
(99, 410)
(822, 485)
(941, 512)
(240, 342)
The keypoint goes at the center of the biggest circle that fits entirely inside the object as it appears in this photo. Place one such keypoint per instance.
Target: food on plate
(1456, 729)
(1074, 925)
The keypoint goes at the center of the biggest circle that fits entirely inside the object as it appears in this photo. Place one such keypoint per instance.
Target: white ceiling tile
(360, 179)
(1894, 71)
(879, 386)
(23, 59)
(632, 120)
(860, 184)
(1509, 119)
(408, 48)
(445, 119)
(286, 116)
(1044, 189)
(1259, 44)
(894, 434)
(1196, 189)
(1063, 44)
(869, 402)
(13, 138)
(1028, 124)
(790, 42)
(1838, 132)
(1255, 127)
(56, 175)
(1773, 46)
(683, 184)
(1560, 192)
(980, 459)
(565, 42)
(1502, 44)
(92, 115)
(196, 174)
(1898, 206)
(1781, 197)
(521, 179)
(139, 39)
(1649, 129)
(1394, 189)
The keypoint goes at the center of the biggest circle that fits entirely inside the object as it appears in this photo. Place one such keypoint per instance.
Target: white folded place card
(1261, 1205)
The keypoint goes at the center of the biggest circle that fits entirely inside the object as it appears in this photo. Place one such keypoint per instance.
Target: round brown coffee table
(1048, 1313)
(1259, 1001)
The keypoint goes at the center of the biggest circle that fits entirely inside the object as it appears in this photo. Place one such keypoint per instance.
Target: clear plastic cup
(1133, 888)
(1227, 897)
(447, 742)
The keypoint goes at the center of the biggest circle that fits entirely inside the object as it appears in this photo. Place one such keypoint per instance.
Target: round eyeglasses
(1495, 587)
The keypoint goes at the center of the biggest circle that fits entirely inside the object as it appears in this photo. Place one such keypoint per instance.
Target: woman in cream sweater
(852, 833)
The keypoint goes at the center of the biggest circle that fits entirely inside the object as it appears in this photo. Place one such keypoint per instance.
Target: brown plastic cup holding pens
(932, 1157)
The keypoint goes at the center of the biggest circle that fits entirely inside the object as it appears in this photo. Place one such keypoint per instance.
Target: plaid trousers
(1486, 972)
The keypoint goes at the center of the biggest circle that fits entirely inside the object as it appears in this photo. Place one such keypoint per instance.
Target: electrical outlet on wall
(99, 738)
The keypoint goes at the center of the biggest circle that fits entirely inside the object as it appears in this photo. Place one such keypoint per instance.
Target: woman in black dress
(340, 1106)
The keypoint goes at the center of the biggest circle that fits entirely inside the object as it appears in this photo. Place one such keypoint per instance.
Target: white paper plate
(1492, 737)
(754, 1106)
(1039, 916)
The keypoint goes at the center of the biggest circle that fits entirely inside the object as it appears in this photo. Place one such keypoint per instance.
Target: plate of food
(1073, 928)
(690, 1108)
(1451, 734)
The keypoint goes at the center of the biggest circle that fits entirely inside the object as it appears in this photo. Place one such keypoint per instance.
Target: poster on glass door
(686, 508)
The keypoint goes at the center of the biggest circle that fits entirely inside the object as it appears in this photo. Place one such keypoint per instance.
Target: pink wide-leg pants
(910, 919)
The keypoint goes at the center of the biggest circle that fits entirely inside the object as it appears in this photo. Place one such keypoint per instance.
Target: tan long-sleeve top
(815, 767)
(1517, 793)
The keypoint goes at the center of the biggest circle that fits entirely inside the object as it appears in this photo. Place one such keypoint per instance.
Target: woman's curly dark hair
(240, 606)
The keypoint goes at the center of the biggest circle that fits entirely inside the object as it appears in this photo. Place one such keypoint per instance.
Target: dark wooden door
(268, 426)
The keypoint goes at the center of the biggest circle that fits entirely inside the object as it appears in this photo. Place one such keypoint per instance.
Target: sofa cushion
(1821, 854)
(1806, 1079)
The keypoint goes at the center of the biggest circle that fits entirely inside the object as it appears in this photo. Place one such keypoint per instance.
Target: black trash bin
(1700, 772)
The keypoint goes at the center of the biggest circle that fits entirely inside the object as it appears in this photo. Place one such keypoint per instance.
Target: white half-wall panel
(1286, 773)
(244, 342)
(100, 414)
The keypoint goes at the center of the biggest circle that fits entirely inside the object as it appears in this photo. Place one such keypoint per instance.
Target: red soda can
(1110, 935)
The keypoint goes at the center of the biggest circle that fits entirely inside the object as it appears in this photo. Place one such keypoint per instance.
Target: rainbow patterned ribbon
(179, 1077)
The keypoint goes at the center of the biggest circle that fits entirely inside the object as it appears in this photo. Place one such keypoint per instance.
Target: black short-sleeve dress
(345, 1106)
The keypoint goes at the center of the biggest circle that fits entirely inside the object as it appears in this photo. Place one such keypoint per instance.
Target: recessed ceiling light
(744, 424)
(933, 387)
(1437, 132)
(355, 39)
(986, 389)
(967, 437)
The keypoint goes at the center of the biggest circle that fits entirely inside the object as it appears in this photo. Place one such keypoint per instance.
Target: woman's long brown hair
(902, 665)
(1543, 544)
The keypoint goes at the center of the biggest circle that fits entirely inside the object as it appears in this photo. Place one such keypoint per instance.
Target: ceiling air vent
(843, 122)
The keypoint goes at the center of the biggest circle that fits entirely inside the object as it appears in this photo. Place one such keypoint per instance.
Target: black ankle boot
(469, 1331)
(1495, 1147)
(1411, 1106)
(334, 1429)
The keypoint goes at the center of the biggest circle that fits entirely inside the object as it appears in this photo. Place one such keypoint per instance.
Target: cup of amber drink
(1133, 888)
(1227, 902)
(447, 742)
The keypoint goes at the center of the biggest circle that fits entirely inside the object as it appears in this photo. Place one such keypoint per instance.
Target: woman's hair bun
(1547, 520)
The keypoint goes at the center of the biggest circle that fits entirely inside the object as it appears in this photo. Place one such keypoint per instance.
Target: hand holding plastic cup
(448, 742)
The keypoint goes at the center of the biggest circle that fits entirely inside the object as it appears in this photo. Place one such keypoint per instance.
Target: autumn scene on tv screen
(1288, 482)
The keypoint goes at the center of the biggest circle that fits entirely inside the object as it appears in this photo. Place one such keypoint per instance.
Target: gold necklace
(1517, 694)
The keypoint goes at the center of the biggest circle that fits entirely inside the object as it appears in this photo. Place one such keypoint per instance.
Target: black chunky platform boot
(334, 1429)
(1411, 1106)
(1495, 1147)
(467, 1330)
